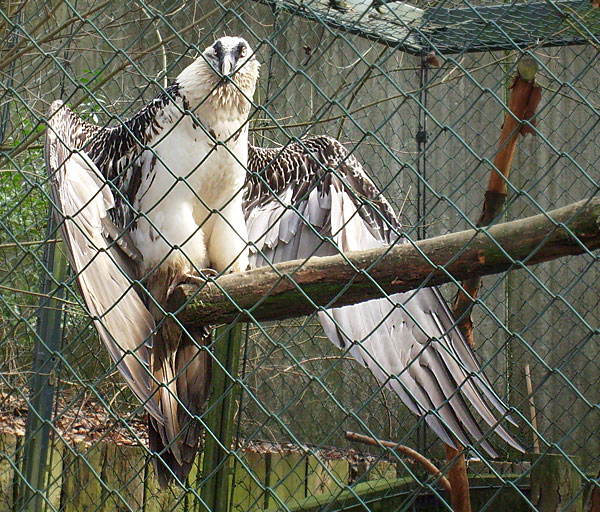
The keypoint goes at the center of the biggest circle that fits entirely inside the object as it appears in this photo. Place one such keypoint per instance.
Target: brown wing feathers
(82, 200)
(94, 222)
(409, 341)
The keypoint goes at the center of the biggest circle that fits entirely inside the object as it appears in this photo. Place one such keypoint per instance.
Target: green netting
(73, 436)
(456, 27)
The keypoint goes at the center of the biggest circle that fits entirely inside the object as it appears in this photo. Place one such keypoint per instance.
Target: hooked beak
(226, 64)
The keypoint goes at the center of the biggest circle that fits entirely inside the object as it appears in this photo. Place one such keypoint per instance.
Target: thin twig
(309, 360)
(409, 452)
(37, 294)
(33, 242)
(363, 80)
(163, 51)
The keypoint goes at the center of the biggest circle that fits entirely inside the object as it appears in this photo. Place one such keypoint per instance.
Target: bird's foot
(202, 278)
(199, 279)
(241, 265)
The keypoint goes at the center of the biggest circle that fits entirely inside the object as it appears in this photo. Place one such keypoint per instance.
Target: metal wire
(418, 94)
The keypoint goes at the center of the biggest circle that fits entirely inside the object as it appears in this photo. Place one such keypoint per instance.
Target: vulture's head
(225, 73)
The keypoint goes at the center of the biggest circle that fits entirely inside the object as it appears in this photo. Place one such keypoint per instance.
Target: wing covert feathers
(167, 369)
(82, 200)
(314, 198)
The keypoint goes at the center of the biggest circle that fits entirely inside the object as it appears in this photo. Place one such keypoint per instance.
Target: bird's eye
(243, 51)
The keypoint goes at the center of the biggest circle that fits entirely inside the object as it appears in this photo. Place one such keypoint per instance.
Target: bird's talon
(202, 278)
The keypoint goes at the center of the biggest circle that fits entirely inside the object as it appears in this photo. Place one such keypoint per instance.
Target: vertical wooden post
(216, 466)
(595, 497)
(522, 104)
(532, 411)
(524, 99)
(460, 495)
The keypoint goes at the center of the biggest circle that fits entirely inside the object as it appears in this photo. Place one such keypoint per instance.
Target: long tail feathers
(186, 376)
(182, 364)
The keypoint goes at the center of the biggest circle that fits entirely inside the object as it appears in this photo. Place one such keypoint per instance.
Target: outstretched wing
(313, 198)
(100, 254)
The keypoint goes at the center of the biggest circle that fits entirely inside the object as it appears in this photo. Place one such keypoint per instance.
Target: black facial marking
(239, 49)
(218, 47)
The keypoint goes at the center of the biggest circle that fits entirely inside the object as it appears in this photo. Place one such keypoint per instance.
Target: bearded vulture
(147, 204)
(164, 195)
(313, 198)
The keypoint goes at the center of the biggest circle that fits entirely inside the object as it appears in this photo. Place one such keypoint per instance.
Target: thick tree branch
(295, 288)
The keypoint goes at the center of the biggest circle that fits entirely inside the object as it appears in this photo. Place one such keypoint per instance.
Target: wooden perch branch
(279, 292)
(405, 450)
(460, 497)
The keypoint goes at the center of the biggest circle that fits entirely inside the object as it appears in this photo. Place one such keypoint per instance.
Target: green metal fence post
(220, 419)
(49, 333)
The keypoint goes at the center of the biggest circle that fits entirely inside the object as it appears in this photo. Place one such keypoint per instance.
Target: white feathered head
(226, 73)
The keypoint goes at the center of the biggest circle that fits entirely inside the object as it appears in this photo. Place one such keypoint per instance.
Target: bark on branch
(524, 99)
(296, 288)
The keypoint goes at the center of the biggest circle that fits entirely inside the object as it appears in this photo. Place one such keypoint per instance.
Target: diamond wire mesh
(301, 393)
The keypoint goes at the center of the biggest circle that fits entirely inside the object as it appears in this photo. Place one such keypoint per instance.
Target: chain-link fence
(417, 94)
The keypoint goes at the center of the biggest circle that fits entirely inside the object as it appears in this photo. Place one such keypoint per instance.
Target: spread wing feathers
(82, 199)
(96, 226)
(313, 198)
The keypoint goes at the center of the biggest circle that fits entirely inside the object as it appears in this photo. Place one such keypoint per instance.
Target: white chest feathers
(190, 196)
